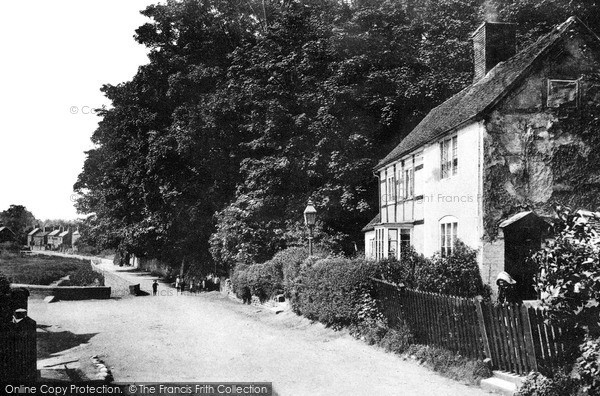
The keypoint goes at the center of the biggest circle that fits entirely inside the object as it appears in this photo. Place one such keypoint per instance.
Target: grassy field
(39, 270)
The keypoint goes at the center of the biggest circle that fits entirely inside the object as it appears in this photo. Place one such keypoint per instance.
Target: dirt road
(211, 338)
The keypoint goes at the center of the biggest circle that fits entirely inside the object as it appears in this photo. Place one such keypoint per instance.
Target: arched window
(448, 234)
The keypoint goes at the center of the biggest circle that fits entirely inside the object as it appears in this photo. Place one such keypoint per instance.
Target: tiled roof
(479, 97)
(54, 233)
(33, 231)
(372, 223)
(64, 233)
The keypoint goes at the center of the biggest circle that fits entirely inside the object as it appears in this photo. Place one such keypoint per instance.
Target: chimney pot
(493, 42)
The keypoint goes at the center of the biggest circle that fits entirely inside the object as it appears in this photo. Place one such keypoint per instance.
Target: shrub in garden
(561, 384)
(397, 340)
(333, 290)
(588, 366)
(457, 274)
(569, 284)
(450, 364)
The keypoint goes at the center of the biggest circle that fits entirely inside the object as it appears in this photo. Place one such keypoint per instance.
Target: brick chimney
(493, 42)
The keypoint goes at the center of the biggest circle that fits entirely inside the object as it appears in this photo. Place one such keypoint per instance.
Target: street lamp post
(310, 218)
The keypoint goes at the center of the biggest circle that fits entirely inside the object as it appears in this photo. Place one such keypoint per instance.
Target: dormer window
(562, 93)
(449, 157)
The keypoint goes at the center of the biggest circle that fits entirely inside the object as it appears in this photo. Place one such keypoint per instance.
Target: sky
(56, 55)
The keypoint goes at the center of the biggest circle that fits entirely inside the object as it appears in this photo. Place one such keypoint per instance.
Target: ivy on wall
(569, 148)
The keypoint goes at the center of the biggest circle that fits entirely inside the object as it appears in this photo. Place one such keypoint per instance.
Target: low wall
(67, 292)
(119, 286)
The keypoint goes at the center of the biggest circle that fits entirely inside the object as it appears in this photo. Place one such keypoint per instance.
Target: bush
(538, 385)
(332, 290)
(450, 364)
(588, 366)
(457, 275)
(398, 340)
(10, 246)
(86, 276)
(569, 284)
(239, 281)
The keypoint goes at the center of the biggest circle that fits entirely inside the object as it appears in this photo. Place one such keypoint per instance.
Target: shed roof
(54, 233)
(34, 231)
(479, 97)
(515, 218)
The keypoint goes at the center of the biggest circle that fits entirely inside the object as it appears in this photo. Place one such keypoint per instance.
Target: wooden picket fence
(517, 339)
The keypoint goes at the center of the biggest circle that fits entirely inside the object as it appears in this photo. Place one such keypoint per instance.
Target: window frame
(402, 242)
(448, 235)
(449, 157)
(391, 188)
(393, 243)
(409, 183)
(572, 104)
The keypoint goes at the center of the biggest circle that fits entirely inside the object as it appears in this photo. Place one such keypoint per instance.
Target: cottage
(31, 235)
(6, 235)
(487, 165)
(74, 238)
(40, 239)
(65, 239)
(54, 238)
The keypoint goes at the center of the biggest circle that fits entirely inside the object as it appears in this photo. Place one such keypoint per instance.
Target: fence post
(482, 329)
(529, 338)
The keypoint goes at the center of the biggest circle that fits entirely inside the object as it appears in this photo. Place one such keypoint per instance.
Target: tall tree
(19, 220)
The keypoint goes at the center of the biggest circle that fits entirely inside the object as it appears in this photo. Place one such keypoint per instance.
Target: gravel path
(211, 338)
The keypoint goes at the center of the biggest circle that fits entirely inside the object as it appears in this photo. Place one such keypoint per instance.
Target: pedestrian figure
(154, 287)
(216, 281)
(192, 285)
(507, 291)
(203, 284)
(178, 284)
(182, 284)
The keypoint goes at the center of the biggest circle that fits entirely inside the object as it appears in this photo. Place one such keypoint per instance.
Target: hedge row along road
(212, 338)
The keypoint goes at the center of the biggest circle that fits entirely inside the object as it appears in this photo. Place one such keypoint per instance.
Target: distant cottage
(31, 236)
(6, 235)
(487, 165)
(54, 238)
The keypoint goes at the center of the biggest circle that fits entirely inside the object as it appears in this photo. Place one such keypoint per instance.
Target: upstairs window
(391, 189)
(449, 157)
(408, 183)
(562, 93)
(400, 181)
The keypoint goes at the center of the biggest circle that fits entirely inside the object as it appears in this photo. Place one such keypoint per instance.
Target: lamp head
(310, 214)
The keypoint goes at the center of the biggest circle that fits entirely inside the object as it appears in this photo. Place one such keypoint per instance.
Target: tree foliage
(247, 108)
(19, 220)
(569, 284)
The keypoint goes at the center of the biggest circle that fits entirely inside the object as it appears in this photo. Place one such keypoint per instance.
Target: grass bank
(41, 270)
